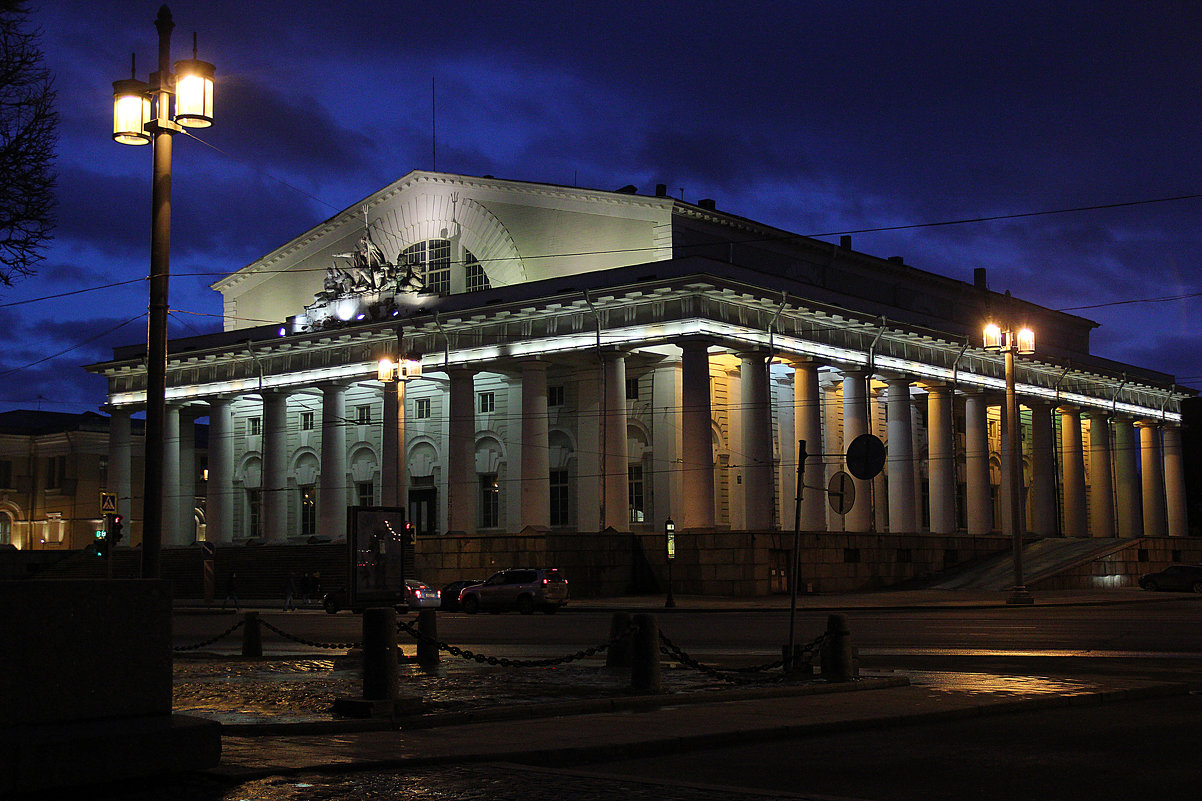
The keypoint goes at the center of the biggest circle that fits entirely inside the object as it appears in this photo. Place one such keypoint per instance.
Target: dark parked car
(1186, 578)
(523, 589)
(450, 593)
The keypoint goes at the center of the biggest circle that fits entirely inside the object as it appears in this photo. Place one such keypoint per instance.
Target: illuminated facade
(596, 360)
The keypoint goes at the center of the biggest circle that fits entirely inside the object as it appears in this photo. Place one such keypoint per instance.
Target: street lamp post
(670, 555)
(192, 87)
(1010, 342)
(394, 375)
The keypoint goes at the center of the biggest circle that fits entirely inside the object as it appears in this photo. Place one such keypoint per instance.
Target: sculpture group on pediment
(360, 284)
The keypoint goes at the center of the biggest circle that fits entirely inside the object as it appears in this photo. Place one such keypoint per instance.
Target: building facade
(596, 360)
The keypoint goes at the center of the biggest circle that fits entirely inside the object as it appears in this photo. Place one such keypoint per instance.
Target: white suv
(523, 589)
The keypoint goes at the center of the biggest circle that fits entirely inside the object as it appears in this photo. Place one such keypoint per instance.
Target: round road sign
(866, 457)
(842, 493)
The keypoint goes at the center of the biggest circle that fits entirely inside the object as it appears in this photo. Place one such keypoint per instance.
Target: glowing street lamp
(670, 555)
(1010, 342)
(133, 124)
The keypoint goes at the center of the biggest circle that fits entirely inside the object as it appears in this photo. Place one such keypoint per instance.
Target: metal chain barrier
(311, 643)
(212, 640)
(464, 653)
(808, 653)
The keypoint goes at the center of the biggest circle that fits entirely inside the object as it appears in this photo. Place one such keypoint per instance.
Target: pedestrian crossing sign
(108, 503)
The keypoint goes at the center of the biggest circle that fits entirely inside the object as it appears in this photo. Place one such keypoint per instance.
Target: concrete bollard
(619, 654)
(380, 671)
(836, 659)
(252, 635)
(427, 649)
(644, 668)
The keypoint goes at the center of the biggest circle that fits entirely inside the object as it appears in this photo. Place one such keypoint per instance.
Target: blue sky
(814, 117)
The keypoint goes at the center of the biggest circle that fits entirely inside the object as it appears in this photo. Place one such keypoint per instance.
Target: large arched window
(445, 267)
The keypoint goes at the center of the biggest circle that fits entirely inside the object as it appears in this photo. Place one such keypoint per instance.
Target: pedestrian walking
(289, 591)
(231, 593)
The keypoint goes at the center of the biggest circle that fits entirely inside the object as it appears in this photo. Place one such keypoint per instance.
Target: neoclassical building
(596, 360)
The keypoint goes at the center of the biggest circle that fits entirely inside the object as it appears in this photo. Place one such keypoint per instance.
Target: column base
(1020, 597)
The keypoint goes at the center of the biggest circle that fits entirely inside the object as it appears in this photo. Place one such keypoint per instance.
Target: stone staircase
(1042, 560)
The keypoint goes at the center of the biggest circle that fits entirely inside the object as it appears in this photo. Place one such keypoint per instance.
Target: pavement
(567, 733)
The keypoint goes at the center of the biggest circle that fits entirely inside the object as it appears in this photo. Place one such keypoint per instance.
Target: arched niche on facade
(422, 458)
(561, 449)
(363, 464)
(306, 466)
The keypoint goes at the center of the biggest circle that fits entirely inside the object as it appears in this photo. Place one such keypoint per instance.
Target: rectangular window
(637, 511)
(363, 415)
(421, 408)
(487, 402)
(490, 501)
(438, 266)
(253, 512)
(6, 474)
(254, 426)
(366, 491)
(559, 498)
(555, 395)
(56, 471)
(474, 275)
(632, 389)
(306, 421)
(308, 510)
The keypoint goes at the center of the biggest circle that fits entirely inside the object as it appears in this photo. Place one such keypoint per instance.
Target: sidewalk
(656, 726)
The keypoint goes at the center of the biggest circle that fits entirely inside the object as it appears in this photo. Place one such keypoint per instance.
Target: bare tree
(28, 133)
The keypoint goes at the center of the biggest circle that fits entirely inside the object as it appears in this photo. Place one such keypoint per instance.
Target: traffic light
(410, 533)
(115, 525)
(100, 545)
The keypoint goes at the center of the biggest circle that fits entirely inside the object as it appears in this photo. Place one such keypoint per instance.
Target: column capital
(800, 362)
(1148, 423)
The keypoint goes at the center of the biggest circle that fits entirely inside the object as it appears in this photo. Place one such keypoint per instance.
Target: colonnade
(830, 409)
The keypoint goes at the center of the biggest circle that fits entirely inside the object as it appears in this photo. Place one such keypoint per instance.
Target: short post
(427, 644)
(619, 653)
(252, 635)
(380, 671)
(836, 661)
(644, 669)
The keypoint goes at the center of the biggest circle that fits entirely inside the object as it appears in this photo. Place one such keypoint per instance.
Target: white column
(120, 466)
(759, 497)
(1072, 460)
(807, 425)
(1101, 477)
(615, 458)
(899, 461)
(219, 503)
(588, 450)
(667, 500)
(917, 432)
(187, 476)
(536, 470)
(696, 442)
(878, 426)
(1151, 467)
(275, 467)
(1044, 511)
(1174, 483)
(978, 499)
(855, 423)
(941, 448)
(171, 479)
(1128, 508)
(463, 489)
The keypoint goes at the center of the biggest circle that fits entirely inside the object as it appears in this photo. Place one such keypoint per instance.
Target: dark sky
(817, 117)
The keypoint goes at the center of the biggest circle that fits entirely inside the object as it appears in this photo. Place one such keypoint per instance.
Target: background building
(601, 361)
